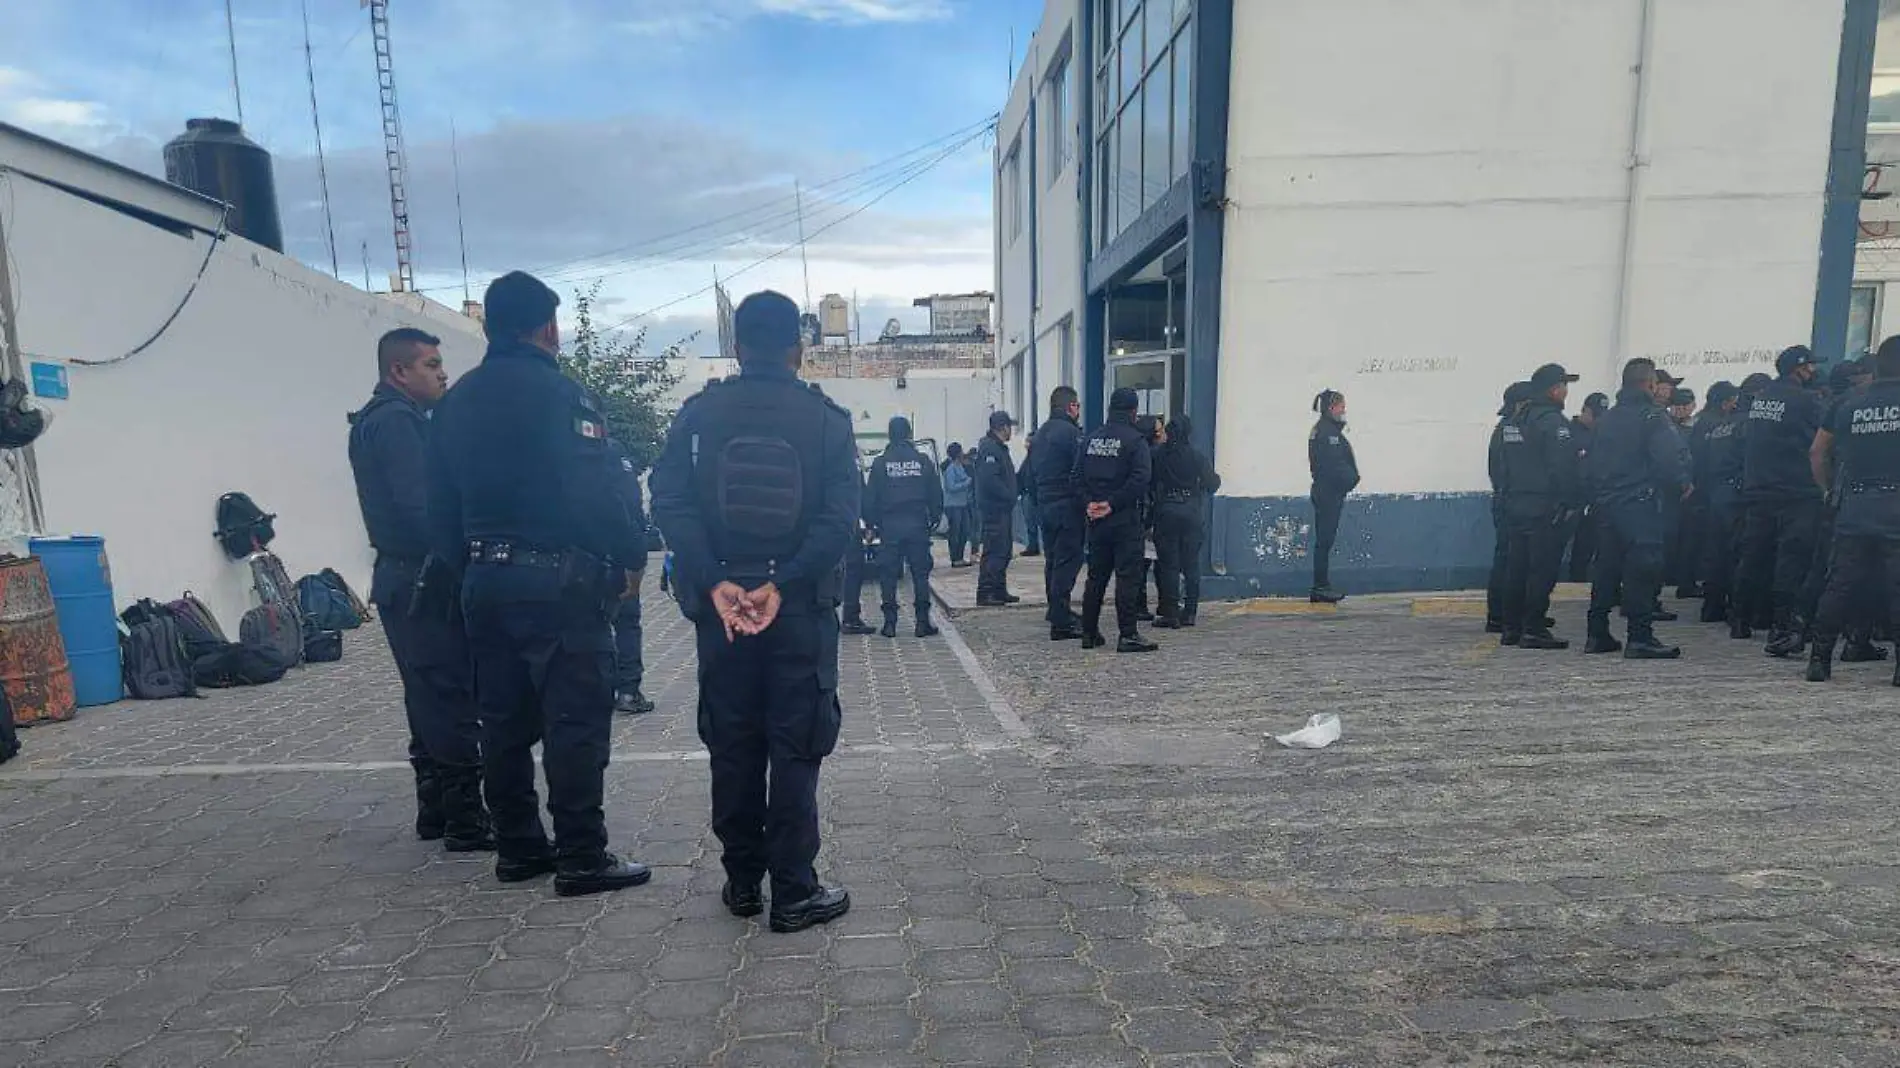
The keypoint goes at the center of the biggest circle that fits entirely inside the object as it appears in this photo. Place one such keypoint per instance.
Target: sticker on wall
(49, 381)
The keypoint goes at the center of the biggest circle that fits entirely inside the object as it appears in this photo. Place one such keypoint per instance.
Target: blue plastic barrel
(81, 581)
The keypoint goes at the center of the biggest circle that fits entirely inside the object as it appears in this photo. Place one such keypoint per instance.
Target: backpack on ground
(9, 736)
(323, 647)
(273, 627)
(336, 581)
(152, 654)
(243, 527)
(237, 664)
(199, 627)
(324, 607)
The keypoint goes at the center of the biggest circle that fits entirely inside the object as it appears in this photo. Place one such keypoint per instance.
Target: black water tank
(214, 157)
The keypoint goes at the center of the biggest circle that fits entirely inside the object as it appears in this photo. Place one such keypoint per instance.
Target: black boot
(1541, 639)
(1093, 640)
(829, 903)
(856, 625)
(1860, 649)
(1646, 647)
(1791, 638)
(1602, 642)
(466, 828)
(430, 819)
(1510, 637)
(1492, 626)
(1324, 595)
(925, 629)
(604, 874)
(742, 899)
(1714, 609)
(1188, 617)
(1064, 632)
(1167, 621)
(1135, 643)
(890, 624)
(1738, 627)
(1821, 660)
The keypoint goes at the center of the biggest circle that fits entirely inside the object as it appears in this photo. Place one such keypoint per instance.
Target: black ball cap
(999, 420)
(1550, 375)
(1597, 402)
(766, 324)
(1124, 400)
(1792, 357)
(1515, 394)
(517, 304)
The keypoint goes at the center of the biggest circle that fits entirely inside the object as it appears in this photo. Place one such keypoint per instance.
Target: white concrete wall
(1428, 222)
(1056, 222)
(946, 406)
(248, 390)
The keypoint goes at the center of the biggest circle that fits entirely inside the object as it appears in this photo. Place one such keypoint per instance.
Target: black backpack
(9, 738)
(324, 606)
(237, 664)
(152, 654)
(243, 527)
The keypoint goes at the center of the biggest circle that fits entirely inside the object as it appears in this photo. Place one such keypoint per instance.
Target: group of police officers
(1778, 505)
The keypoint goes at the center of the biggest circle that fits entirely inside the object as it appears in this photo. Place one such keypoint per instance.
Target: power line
(771, 213)
(762, 261)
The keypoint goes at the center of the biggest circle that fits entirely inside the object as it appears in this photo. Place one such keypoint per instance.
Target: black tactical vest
(757, 464)
(1867, 446)
(904, 472)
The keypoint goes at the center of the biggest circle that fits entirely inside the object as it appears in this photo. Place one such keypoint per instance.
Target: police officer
(859, 554)
(996, 505)
(1515, 396)
(525, 485)
(1183, 481)
(1638, 458)
(1583, 547)
(1715, 448)
(1865, 437)
(1783, 500)
(1865, 608)
(758, 493)
(1154, 432)
(1113, 472)
(1335, 474)
(1052, 461)
(389, 457)
(1685, 547)
(1541, 499)
(629, 659)
(903, 503)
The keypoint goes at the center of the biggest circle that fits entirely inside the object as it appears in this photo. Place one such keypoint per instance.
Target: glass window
(1861, 312)
(1125, 10)
(1104, 192)
(1159, 20)
(1129, 61)
(1061, 122)
(1013, 190)
(1128, 170)
(1156, 172)
(1183, 142)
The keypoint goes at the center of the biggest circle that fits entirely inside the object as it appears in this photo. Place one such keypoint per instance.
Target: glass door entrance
(1156, 377)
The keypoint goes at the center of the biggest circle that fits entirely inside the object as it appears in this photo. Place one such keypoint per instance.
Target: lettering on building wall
(1671, 361)
(1413, 366)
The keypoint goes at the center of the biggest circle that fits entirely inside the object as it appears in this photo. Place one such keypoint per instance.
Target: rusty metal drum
(33, 667)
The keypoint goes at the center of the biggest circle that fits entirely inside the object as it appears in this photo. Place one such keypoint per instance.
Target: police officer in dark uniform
(1866, 607)
(1113, 471)
(1515, 396)
(389, 457)
(996, 503)
(1541, 499)
(1335, 474)
(1638, 458)
(855, 558)
(1864, 436)
(758, 493)
(1184, 479)
(629, 658)
(526, 486)
(1052, 462)
(1783, 501)
(903, 502)
(1583, 545)
(1715, 448)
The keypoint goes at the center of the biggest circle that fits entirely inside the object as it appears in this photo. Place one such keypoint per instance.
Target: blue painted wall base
(1387, 543)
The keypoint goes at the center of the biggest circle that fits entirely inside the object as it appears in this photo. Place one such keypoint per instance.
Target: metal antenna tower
(394, 152)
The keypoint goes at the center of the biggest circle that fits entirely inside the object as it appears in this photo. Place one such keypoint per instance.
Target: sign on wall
(49, 380)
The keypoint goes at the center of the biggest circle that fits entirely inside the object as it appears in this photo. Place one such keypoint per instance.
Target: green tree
(631, 385)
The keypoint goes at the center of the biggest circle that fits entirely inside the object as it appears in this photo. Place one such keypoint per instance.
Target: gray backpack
(152, 654)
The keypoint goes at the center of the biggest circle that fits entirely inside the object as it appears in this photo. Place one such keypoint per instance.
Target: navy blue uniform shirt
(389, 457)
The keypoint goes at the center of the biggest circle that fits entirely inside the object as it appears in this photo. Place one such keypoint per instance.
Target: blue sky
(584, 127)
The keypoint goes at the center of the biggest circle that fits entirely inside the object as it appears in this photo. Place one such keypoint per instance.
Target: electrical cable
(861, 209)
(203, 265)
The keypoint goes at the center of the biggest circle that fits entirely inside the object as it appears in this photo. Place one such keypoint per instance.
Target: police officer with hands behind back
(903, 502)
(1783, 502)
(525, 495)
(1638, 457)
(996, 493)
(1052, 461)
(389, 457)
(758, 493)
(1113, 470)
(1542, 498)
(1864, 437)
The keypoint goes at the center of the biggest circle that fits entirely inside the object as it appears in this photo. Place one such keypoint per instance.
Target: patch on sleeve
(591, 429)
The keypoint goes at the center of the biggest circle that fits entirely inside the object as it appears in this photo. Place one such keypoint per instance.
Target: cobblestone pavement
(233, 881)
(1511, 858)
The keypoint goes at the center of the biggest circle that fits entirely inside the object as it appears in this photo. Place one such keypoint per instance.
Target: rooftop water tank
(213, 157)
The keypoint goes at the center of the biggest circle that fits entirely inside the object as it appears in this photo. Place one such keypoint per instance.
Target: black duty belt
(1179, 495)
(1732, 483)
(1877, 486)
(398, 560)
(511, 555)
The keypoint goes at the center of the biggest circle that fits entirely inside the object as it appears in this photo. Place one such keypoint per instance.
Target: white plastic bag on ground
(1321, 730)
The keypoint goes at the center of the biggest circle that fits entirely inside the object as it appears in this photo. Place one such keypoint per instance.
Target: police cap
(1666, 378)
(1550, 376)
(1597, 402)
(1792, 357)
(1516, 394)
(516, 305)
(1754, 383)
(1000, 419)
(1681, 397)
(765, 325)
(1124, 400)
(1721, 393)
(1840, 377)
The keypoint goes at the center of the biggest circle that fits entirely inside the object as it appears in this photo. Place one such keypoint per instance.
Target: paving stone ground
(1511, 858)
(233, 881)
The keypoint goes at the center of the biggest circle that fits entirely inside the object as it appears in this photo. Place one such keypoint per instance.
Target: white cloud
(859, 10)
(23, 103)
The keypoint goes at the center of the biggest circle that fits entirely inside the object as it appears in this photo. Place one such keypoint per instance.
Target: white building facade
(1231, 206)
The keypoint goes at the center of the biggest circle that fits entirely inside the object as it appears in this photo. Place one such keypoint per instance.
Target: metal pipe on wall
(1637, 165)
